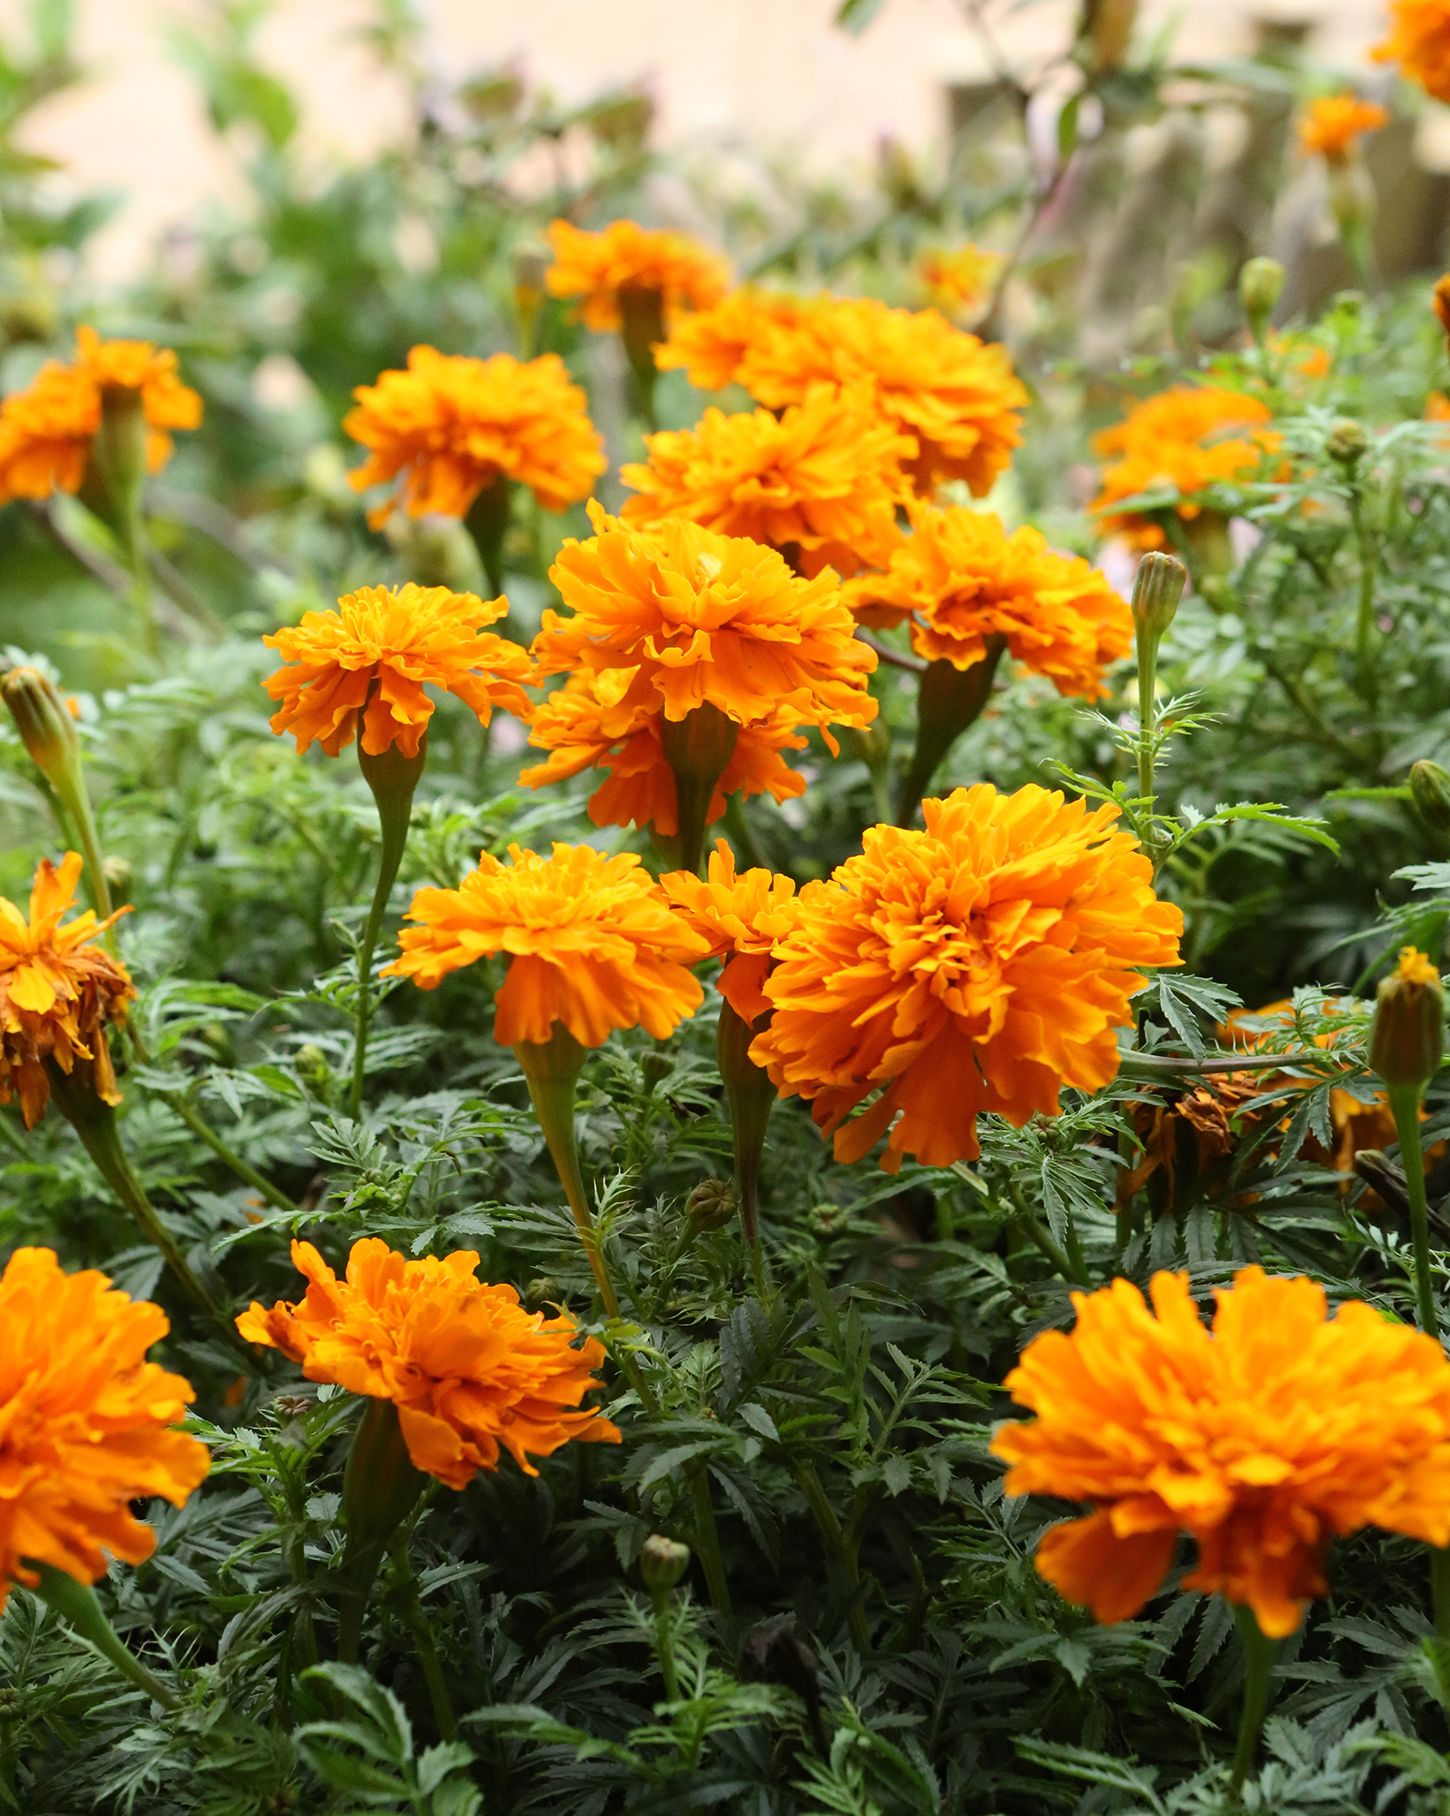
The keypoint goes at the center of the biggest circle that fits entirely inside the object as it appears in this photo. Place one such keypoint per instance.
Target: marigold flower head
(1419, 43)
(1280, 1430)
(960, 281)
(58, 990)
(448, 427)
(471, 1373)
(821, 482)
(978, 965)
(744, 915)
(1187, 439)
(964, 582)
(703, 618)
(713, 344)
(1330, 125)
(370, 661)
(88, 1423)
(590, 723)
(591, 942)
(47, 430)
(599, 268)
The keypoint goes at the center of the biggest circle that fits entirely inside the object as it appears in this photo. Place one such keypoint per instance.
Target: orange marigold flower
(1440, 301)
(699, 618)
(965, 583)
(588, 723)
(1186, 439)
(712, 345)
(1419, 43)
(599, 268)
(960, 280)
(58, 990)
(469, 1370)
(821, 482)
(371, 659)
(88, 1422)
(591, 943)
(1263, 1440)
(744, 916)
(449, 427)
(1331, 124)
(47, 430)
(978, 965)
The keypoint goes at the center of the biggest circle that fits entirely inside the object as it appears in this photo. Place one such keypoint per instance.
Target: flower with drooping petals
(471, 1373)
(821, 482)
(959, 281)
(1419, 43)
(1331, 124)
(591, 942)
(87, 1424)
(47, 430)
(978, 965)
(448, 427)
(744, 915)
(1263, 1440)
(58, 992)
(963, 582)
(624, 259)
(369, 662)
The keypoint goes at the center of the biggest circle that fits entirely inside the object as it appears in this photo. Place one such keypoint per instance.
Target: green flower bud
(120, 874)
(710, 1205)
(1157, 588)
(1261, 284)
(662, 1562)
(1348, 441)
(1430, 791)
(1407, 1037)
(43, 720)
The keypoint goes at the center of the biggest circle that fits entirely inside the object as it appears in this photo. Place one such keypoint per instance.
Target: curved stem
(77, 1606)
(834, 1535)
(393, 777)
(428, 1661)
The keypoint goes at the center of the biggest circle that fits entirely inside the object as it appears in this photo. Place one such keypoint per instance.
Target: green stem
(1259, 1654)
(698, 749)
(1405, 1106)
(707, 1538)
(77, 1606)
(393, 779)
(664, 1644)
(950, 699)
(428, 1660)
(834, 1535)
(244, 1170)
(380, 1487)
(1031, 1227)
(1147, 640)
(752, 1098)
(1364, 651)
(1440, 1592)
(487, 523)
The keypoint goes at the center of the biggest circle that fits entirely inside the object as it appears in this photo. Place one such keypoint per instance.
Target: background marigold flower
(58, 991)
(47, 430)
(1263, 1441)
(469, 1370)
(960, 280)
(1419, 43)
(978, 965)
(88, 1422)
(711, 346)
(449, 426)
(591, 942)
(963, 581)
(743, 915)
(821, 482)
(599, 267)
(372, 658)
(1330, 124)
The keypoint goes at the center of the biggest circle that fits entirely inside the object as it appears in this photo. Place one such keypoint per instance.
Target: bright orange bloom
(1263, 1441)
(58, 990)
(978, 965)
(371, 659)
(964, 583)
(450, 426)
(1331, 124)
(47, 430)
(712, 346)
(599, 268)
(1419, 42)
(589, 723)
(471, 1373)
(1440, 301)
(960, 281)
(821, 482)
(1185, 439)
(87, 1422)
(744, 916)
(699, 618)
(957, 395)
(591, 944)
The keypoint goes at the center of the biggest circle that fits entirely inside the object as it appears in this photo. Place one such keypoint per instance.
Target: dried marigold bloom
(963, 582)
(600, 268)
(1419, 43)
(88, 1422)
(48, 430)
(978, 965)
(743, 915)
(821, 482)
(591, 942)
(1279, 1431)
(471, 1372)
(588, 723)
(58, 991)
(1186, 439)
(960, 281)
(1331, 124)
(448, 427)
(370, 661)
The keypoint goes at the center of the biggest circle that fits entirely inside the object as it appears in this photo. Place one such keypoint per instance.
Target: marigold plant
(601, 268)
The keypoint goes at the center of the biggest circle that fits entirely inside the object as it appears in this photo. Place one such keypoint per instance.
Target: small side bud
(1407, 1038)
(120, 875)
(1430, 791)
(662, 1563)
(1347, 442)
(710, 1205)
(1261, 284)
(42, 718)
(1157, 588)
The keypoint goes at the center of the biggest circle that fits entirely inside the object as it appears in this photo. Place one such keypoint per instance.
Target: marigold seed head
(1407, 1036)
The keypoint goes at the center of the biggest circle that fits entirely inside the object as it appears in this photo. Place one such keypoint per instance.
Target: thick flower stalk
(979, 965)
(1419, 44)
(1406, 1046)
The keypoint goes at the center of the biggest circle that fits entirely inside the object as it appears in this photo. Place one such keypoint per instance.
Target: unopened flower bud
(1440, 302)
(1430, 791)
(118, 454)
(1407, 1037)
(542, 1290)
(662, 1562)
(1157, 587)
(42, 718)
(1347, 442)
(1261, 284)
(710, 1205)
(120, 875)
(314, 1069)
